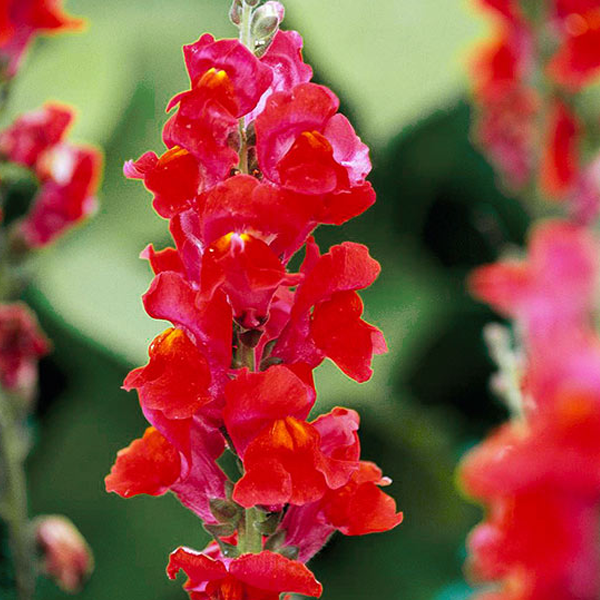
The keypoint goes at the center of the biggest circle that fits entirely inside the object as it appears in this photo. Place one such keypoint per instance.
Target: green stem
(14, 500)
(249, 537)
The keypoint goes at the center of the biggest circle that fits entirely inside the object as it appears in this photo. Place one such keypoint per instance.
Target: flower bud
(266, 20)
(66, 556)
(251, 2)
(235, 12)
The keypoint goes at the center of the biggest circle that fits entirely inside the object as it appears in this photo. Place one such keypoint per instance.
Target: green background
(398, 66)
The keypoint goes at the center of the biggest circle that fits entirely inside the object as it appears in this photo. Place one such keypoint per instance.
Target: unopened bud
(66, 556)
(266, 20)
(251, 2)
(235, 12)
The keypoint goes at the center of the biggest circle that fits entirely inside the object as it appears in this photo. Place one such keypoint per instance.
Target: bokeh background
(398, 66)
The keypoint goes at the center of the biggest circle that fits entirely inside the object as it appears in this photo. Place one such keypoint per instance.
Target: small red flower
(69, 177)
(174, 178)
(149, 465)
(335, 328)
(176, 381)
(21, 20)
(67, 558)
(289, 462)
(22, 344)
(560, 163)
(154, 465)
(577, 62)
(35, 132)
(261, 576)
(303, 143)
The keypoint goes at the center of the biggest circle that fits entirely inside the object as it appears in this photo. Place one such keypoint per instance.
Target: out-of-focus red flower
(21, 20)
(22, 344)
(542, 484)
(334, 328)
(66, 557)
(35, 132)
(554, 288)
(560, 162)
(577, 61)
(69, 177)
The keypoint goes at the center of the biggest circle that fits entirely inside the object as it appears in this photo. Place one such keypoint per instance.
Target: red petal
(149, 465)
(273, 572)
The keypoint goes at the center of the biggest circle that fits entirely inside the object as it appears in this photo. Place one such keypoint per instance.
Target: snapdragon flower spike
(263, 576)
(21, 21)
(257, 157)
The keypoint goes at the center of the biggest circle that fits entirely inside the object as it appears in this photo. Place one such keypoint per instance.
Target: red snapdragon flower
(21, 20)
(35, 132)
(261, 576)
(325, 318)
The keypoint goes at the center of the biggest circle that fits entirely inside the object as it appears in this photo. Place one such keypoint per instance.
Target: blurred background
(398, 66)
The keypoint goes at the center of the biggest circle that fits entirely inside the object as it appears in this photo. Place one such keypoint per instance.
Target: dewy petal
(149, 465)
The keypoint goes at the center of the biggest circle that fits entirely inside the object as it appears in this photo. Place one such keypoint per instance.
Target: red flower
(21, 20)
(248, 271)
(334, 329)
(284, 58)
(227, 83)
(208, 322)
(560, 163)
(176, 380)
(553, 289)
(577, 62)
(35, 132)
(22, 344)
(67, 558)
(69, 178)
(153, 465)
(289, 462)
(255, 400)
(303, 143)
(174, 178)
(357, 508)
(261, 576)
(542, 484)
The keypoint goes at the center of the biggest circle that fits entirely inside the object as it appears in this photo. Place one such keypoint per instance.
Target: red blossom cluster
(526, 81)
(21, 21)
(68, 174)
(539, 475)
(257, 157)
